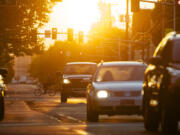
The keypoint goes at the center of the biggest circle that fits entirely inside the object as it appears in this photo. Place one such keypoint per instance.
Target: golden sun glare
(76, 14)
(82, 14)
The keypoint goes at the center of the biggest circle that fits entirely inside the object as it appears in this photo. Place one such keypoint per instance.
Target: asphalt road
(27, 114)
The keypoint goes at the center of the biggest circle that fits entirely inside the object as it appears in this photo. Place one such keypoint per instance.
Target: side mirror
(3, 72)
(155, 61)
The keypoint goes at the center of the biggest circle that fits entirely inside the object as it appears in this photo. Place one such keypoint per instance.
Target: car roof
(124, 63)
(71, 63)
(176, 37)
(173, 35)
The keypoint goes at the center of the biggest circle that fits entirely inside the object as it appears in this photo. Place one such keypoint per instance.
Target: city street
(27, 114)
(64, 64)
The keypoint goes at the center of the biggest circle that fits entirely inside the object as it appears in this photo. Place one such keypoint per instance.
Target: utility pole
(163, 19)
(174, 15)
(127, 30)
(109, 15)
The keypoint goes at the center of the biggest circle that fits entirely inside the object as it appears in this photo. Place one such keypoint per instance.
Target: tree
(18, 21)
(46, 65)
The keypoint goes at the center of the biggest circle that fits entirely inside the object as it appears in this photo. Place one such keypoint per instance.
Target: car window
(166, 53)
(120, 73)
(158, 51)
(176, 51)
(80, 69)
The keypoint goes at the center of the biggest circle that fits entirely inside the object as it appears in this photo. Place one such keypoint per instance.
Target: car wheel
(38, 92)
(169, 123)
(1, 109)
(151, 119)
(92, 115)
(63, 98)
(51, 92)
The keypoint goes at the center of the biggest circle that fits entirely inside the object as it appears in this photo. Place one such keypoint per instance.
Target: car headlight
(66, 81)
(102, 94)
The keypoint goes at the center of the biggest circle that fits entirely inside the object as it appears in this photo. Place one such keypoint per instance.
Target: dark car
(115, 89)
(76, 77)
(3, 88)
(161, 87)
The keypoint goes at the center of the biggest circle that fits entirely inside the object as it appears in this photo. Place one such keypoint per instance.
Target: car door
(156, 75)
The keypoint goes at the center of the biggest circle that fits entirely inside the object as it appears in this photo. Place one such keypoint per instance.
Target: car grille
(127, 93)
(78, 83)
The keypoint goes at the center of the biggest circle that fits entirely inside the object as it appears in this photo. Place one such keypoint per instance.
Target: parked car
(115, 89)
(161, 88)
(3, 88)
(76, 77)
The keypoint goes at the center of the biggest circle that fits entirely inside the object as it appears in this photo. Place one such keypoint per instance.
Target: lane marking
(70, 118)
(82, 132)
(26, 124)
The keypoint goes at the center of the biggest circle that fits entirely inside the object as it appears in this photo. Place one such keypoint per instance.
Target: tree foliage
(18, 21)
(45, 66)
(17, 24)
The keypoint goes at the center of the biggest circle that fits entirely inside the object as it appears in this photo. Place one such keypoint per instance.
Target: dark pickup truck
(161, 88)
(76, 77)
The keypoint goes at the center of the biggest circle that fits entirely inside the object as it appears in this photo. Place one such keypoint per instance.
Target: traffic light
(70, 34)
(47, 33)
(122, 18)
(34, 35)
(61, 52)
(178, 2)
(54, 33)
(81, 36)
(135, 5)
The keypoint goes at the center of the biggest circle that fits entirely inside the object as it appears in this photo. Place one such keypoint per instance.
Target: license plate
(127, 102)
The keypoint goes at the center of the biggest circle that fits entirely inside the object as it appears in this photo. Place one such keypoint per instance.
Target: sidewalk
(26, 91)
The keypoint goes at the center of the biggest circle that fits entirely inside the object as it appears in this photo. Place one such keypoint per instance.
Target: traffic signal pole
(174, 15)
(127, 28)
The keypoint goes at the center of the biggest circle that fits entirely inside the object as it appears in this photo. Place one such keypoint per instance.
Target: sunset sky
(81, 14)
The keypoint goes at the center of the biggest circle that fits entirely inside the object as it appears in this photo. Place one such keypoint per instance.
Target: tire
(51, 92)
(38, 92)
(92, 115)
(169, 123)
(63, 98)
(151, 119)
(1, 109)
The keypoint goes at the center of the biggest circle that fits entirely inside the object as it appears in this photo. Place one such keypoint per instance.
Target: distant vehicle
(115, 89)
(161, 88)
(76, 76)
(22, 80)
(3, 89)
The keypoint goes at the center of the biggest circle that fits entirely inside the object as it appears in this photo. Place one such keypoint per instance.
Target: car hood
(118, 86)
(80, 76)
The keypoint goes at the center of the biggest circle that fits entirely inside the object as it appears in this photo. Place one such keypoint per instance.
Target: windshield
(120, 73)
(176, 50)
(80, 69)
